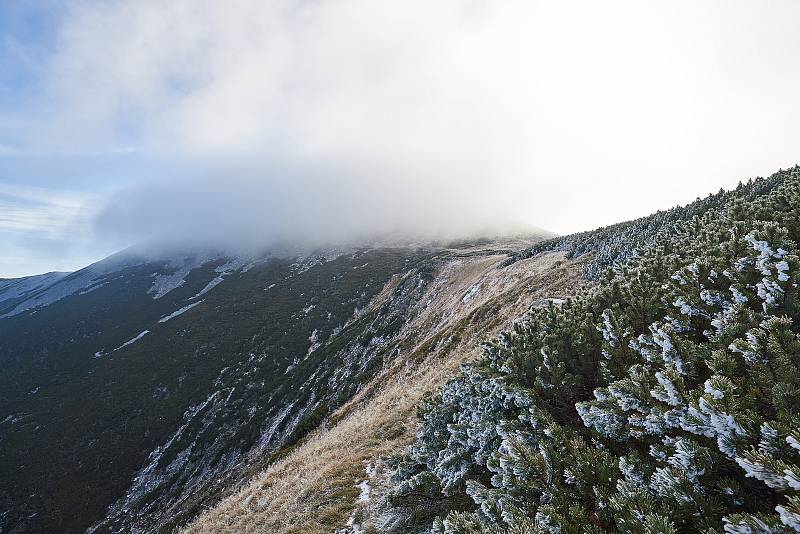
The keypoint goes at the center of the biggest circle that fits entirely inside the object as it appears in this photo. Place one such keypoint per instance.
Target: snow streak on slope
(133, 340)
(182, 266)
(179, 312)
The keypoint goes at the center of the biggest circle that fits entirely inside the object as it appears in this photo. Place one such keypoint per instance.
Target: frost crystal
(607, 329)
(668, 393)
(711, 390)
(738, 296)
(783, 270)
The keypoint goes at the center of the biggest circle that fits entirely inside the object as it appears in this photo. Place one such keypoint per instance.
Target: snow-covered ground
(21, 287)
(133, 340)
(85, 280)
(179, 312)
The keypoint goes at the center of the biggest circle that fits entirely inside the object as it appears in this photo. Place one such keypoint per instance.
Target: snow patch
(471, 293)
(164, 283)
(233, 264)
(364, 487)
(132, 340)
(315, 342)
(179, 312)
(211, 285)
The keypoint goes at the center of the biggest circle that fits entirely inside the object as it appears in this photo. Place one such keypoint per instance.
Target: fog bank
(325, 120)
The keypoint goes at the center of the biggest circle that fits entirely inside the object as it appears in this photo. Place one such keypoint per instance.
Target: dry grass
(314, 489)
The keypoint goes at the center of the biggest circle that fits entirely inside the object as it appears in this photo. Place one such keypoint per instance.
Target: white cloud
(43, 211)
(330, 116)
(45, 229)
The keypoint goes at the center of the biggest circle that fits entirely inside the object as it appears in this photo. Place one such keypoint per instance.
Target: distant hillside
(15, 290)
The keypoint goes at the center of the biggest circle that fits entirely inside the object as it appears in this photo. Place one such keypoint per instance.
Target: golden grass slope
(335, 479)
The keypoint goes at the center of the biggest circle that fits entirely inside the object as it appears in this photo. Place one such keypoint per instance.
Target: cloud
(311, 119)
(42, 211)
(323, 120)
(44, 229)
(300, 204)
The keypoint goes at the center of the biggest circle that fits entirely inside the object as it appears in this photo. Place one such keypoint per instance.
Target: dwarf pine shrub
(665, 398)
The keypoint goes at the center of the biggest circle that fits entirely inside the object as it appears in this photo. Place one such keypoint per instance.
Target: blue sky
(29, 240)
(245, 122)
(28, 29)
(46, 195)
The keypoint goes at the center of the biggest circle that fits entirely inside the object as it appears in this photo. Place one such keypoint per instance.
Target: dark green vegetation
(665, 398)
(159, 428)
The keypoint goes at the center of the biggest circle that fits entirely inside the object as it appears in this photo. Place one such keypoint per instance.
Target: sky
(246, 122)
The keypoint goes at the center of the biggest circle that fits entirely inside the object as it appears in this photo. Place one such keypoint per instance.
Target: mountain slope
(99, 381)
(315, 487)
(154, 384)
(660, 398)
(15, 290)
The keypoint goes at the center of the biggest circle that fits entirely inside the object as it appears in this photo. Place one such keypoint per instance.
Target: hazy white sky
(248, 120)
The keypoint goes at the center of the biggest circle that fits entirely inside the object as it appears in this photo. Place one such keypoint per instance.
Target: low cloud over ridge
(310, 120)
(250, 204)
